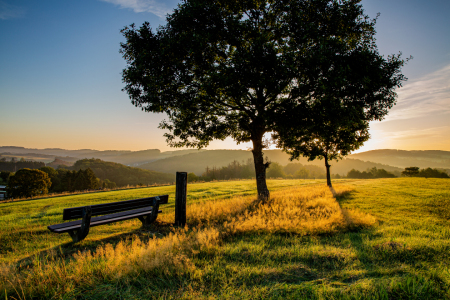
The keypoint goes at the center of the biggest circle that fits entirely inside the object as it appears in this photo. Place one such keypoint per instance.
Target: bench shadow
(66, 250)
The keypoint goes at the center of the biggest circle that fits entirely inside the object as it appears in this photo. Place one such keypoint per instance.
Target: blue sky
(60, 75)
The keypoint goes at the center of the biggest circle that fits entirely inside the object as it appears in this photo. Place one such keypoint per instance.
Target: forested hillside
(14, 166)
(125, 157)
(123, 175)
(198, 162)
(171, 161)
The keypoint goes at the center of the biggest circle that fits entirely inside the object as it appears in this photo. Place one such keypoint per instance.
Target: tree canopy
(27, 183)
(238, 69)
(329, 131)
(410, 171)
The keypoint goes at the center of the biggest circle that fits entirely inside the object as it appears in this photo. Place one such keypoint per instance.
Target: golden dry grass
(306, 210)
(302, 210)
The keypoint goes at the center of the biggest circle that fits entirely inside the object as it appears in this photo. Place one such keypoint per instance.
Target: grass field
(381, 239)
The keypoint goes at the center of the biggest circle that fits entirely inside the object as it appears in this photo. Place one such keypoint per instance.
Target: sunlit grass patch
(301, 210)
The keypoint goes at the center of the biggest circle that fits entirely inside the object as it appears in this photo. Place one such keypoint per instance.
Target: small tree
(411, 171)
(53, 175)
(275, 171)
(85, 180)
(67, 180)
(107, 184)
(28, 183)
(302, 174)
(191, 177)
(331, 130)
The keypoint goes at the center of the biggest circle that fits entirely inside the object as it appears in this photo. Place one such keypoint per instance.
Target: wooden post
(180, 199)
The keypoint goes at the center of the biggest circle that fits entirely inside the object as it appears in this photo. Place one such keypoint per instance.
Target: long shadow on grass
(268, 259)
(380, 260)
(66, 250)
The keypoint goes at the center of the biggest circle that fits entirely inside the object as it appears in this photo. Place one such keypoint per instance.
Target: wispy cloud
(419, 134)
(8, 11)
(424, 97)
(138, 6)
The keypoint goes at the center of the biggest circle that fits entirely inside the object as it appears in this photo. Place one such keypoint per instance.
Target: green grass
(23, 224)
(404, 256)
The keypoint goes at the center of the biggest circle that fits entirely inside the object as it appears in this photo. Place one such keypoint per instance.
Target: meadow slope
(377, 239)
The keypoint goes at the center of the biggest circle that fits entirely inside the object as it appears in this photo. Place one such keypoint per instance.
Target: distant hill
(59, 162)
(197, 162)
(126, 157)
(122, 175)
(28, 156)
(404, 159)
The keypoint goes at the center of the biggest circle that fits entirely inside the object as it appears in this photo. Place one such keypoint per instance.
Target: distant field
(382, 239)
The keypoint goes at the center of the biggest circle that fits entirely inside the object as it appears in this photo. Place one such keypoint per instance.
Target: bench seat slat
(108, 208)
(74, 225)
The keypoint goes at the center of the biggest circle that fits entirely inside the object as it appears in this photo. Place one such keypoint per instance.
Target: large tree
(235, 68)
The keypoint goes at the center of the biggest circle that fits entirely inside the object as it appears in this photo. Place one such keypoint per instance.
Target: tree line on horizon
(245, 170)
(14, 165)
(425, 172)
(85, 174)
(33, 182)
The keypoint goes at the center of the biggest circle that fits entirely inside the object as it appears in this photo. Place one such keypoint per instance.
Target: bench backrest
(108, 208)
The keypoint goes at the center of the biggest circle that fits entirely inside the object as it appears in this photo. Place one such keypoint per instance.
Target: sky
(60, 75)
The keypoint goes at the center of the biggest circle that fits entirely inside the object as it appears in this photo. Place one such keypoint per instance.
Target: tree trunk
(260, 170)
(327, 165)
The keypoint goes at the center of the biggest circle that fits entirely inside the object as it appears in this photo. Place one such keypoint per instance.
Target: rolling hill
(126, 157)
(197, 162)
(403, 159)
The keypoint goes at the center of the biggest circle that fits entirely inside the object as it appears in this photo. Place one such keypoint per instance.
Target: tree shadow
(388, 258)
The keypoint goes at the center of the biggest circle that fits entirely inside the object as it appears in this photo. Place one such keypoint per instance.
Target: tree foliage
(4, 176)
(54, 177)
(426, 172)
(14, 165)
(275, 171)
(410, 171)
(330, 131)
(370, 174)
(28, 183)
(191, 177)
(234, 170)
(355, 85)
(432, 173)
(245, 170)
(239, 69)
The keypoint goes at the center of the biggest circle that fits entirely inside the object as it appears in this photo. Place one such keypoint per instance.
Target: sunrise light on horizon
(60, 76)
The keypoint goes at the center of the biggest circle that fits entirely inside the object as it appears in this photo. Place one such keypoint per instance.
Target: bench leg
(79, 235)
(148, 219)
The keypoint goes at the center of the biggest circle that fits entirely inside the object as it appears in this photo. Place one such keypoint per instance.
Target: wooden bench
(145, 209)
